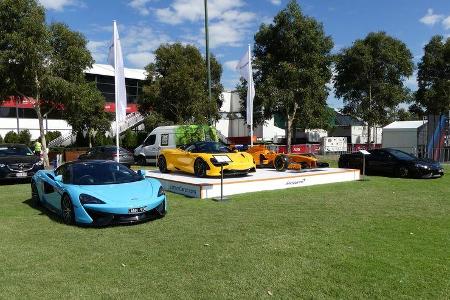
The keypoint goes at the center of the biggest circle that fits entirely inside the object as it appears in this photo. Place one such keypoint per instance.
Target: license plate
(21, 174)
(136, 210)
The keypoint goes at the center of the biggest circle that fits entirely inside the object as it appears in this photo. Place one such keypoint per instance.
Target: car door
(380, 161)
(51, 192)
(151, 148)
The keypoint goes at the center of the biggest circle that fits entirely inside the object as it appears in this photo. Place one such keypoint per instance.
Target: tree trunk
(289, 122)
(369, 134)
(89, 138)
(368, 122)
(37, 108)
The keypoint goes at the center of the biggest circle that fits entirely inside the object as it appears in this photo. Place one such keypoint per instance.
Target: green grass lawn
(382, 238)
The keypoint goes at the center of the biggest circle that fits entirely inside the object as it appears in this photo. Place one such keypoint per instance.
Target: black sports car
(393, 162)
(17, 161)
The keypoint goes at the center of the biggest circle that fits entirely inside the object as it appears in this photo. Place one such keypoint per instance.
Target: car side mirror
(58, 178)
(141, 173)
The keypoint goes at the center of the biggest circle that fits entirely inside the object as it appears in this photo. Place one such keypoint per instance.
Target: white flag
(245, 69)
(115, 59)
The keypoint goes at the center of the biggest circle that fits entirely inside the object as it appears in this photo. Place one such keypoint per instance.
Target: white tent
(405, 135)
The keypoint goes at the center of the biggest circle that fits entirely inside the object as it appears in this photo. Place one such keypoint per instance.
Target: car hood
(427, 162)
(133, 192)
(14, 159)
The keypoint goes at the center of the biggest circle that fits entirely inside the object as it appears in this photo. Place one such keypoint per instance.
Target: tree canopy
(369, 77)
(39, 63)
(84, 110)
(434, 77)
(292, 61)
(176, 85)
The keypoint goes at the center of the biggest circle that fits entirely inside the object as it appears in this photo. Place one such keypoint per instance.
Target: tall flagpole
(208, 62)
(249, 92)
(116, 89)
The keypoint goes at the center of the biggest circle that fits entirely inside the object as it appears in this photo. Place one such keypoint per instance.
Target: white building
(232, 123)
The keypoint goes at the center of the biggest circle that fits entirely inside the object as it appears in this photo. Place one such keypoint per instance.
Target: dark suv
(109, 153)
(18, 161)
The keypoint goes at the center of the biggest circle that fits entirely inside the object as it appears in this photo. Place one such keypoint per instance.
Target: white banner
(115, 59)
(245, 69)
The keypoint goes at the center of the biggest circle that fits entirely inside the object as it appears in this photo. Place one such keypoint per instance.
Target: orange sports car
(264, 157)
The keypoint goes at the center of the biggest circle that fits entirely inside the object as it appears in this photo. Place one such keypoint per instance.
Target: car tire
(281, 163)
(162, 164)
(67, 211)
(35, 195)
(402, 172)
(261, 161)
(200, 168)
(141, 160)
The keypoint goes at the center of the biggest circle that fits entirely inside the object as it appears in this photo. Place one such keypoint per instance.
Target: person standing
(37, 148)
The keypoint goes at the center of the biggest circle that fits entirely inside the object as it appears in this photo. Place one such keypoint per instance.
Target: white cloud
(140, 6)
(228, 23)
(99, 50)
(446, 22)
(430, 18)
(140, 59)
(411, 82)
(138, 43)
(59, 5)
(231, 64)
(275, 2)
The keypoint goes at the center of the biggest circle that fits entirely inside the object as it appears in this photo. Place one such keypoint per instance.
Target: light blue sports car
(98, 192)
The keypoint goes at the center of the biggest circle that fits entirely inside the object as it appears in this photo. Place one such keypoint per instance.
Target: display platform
(261, 180)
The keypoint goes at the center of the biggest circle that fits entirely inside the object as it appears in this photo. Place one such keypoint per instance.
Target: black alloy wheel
(402, 172)
(34, 195)
(281, 163)
(141, 160)
(68, 213)
(200, 168)
(162, 164)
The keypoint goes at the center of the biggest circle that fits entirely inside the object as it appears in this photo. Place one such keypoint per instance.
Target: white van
(162, 137)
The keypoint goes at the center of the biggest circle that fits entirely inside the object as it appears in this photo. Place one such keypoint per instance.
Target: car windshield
(18, 150)
(208, 147)
(402, 155)
(101, 173)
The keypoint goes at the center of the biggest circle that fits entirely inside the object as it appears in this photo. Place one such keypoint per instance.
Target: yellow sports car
(204, 159)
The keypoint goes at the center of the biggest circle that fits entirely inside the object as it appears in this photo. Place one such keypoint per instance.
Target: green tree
(11, 137)
(24, 137)
(51, 135)
(38, 62)
(434, 77)
(1, 139)
(84, 110)
(176, 85)
(370, 77)
(292, 63)
(129, 140)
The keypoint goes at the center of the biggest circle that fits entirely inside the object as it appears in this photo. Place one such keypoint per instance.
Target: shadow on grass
(44, 211)
(14, 181)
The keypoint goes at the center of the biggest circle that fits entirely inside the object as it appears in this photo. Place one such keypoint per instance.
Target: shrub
(11, 137)
(129, 140)
(24, 137)
(51, 135)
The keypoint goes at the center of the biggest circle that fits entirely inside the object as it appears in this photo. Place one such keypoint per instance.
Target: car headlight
(39, 163)
(88, 199)
(422, 166)
(161, 191)
(2, 165)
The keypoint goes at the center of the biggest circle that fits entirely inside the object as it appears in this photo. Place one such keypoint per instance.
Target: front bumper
(100, 218)
(6, 174)
(429, 172)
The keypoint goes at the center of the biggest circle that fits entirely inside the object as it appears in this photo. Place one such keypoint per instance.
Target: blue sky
(145, 24)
